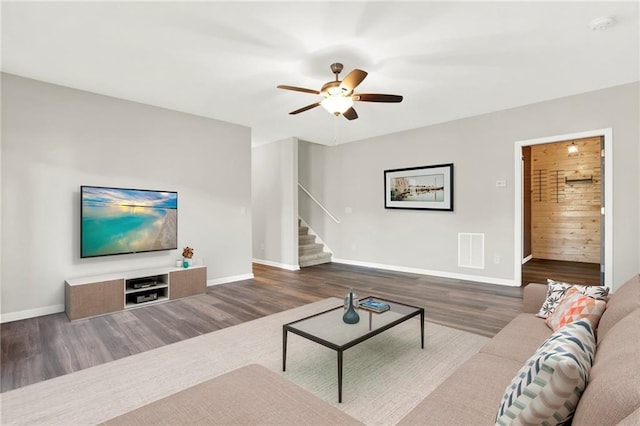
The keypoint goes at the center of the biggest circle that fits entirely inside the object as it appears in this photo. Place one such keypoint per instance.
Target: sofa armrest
(249, 395)
(533, 297)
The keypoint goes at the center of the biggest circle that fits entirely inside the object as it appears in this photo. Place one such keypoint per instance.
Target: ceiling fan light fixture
(337, 104)
(339, 95)
(333, 88)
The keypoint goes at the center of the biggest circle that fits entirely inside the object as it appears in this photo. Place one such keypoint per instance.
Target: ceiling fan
(339, 96)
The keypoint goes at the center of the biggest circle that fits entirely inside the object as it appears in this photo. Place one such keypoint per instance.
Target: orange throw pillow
(575, 306)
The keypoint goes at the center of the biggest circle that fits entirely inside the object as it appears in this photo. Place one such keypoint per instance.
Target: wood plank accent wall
(565, 201)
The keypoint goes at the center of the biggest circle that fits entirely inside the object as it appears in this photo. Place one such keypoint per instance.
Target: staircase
(309, 252)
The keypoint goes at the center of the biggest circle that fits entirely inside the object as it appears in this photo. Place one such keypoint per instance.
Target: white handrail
(335, 219)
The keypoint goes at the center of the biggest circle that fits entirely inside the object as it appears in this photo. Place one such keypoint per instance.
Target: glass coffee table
(328, 329)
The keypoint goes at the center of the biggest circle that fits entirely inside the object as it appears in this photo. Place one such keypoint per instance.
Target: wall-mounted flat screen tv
(121, 221)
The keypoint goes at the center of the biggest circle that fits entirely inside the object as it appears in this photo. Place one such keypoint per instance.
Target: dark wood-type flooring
(538, 270)
(41, 348)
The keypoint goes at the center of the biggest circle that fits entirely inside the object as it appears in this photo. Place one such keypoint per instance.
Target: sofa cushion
(518, 339)
(632, 419)
(469, 396)
(557, 290)
(575, 306)
(613, 393)
(621, 303)
(547, 388)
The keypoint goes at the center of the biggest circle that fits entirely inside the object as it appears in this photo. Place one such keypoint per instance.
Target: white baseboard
(277, 265)
(476, 278)
(526, 259)
(231, 279)
(31, 313)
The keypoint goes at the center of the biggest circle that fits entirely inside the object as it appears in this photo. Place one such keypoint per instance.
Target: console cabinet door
(187, 282)
(91, 299)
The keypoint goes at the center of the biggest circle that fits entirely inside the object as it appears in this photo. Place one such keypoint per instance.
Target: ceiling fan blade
(377, 97)
(350, 114)
(352, 79)
(307, 108)
(298, 89)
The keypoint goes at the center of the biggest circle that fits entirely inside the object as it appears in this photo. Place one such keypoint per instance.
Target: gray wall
(275, 203)
(55, 139)
(482, 150)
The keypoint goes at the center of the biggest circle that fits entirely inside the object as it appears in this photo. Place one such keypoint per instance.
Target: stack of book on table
(374, 305)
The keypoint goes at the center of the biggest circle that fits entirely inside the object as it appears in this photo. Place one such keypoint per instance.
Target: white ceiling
(224, 59)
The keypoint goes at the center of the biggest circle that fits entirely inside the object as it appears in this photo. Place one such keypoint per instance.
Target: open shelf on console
(146, 290)
(146, 296)
(134, 285)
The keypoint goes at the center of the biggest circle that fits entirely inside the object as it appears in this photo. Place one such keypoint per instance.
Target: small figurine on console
(187, 254)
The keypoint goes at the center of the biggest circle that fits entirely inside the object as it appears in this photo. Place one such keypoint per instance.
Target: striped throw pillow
(546, 390)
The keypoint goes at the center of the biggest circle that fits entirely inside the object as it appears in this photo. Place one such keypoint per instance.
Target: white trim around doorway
(607, 134)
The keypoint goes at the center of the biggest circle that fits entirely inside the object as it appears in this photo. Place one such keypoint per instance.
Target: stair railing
(335, 219)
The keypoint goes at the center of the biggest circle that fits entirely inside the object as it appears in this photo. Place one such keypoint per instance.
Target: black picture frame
(419, 188)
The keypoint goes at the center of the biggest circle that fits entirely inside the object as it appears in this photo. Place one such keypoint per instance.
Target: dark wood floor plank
(538, 270)
(116, 339)
(141, 337)
(59, 349)
(161, 324)
(21, 345)
(40, 348)
(95, 350)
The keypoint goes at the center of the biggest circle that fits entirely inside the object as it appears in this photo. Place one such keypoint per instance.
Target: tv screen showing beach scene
(121, 221)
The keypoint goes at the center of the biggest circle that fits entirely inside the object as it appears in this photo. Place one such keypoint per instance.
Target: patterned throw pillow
(557, 289)
(575, 306)
(546, 390)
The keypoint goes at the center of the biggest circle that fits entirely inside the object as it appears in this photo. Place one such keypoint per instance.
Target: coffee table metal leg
(422, 329)
(284, 349)
(339, 376)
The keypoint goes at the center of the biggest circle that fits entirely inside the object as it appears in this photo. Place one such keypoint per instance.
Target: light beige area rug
(384, 377)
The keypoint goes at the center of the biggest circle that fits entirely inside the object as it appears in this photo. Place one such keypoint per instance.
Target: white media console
(102, 294)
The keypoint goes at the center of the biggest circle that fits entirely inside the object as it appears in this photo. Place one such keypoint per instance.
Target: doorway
(563, 208)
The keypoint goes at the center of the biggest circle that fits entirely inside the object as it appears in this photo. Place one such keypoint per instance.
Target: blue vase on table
(351, 316)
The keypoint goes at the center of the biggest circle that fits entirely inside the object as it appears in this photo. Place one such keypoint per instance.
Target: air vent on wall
(471, 250)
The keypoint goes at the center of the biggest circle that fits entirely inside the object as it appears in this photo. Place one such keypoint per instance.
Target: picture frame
(419, 188)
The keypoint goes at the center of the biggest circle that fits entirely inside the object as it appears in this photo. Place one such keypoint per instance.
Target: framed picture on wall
(419, 188)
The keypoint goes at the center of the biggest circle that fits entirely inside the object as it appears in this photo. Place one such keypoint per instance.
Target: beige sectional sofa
(470, 396)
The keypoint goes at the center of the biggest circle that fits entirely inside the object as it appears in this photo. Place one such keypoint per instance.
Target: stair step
(314, 259)
(309, 252)
(305, 249)
(306, 239)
